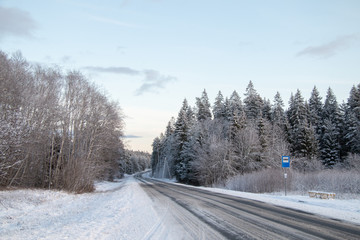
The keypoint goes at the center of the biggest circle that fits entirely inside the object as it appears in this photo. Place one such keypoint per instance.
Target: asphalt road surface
(199, 214)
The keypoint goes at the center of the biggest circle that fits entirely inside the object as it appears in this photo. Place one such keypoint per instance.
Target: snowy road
(137, 208)
(200, 214)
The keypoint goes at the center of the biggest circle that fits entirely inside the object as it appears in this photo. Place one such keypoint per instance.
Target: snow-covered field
(117, 210)
(121, 210)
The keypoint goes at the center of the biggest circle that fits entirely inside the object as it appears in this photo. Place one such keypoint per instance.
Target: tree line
(134, 161)
(57, 131)
(208, 144)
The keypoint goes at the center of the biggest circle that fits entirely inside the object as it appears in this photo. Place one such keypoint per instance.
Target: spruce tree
(330, 147)
(266, 110)
(354, 101)
(352, 121)
(264, 135)
(352, 135)
(219, 110)
(236, 115)
(297, 115)
(277, 111)
(155, 156)
(309, 142)
(253, 102)
(235, 103)
(203, 107)
(331, 109)
(182, 128)
(316, 110)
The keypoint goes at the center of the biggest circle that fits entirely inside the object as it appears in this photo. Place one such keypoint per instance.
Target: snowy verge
(340, 209)
(347, 210)
(116, 210)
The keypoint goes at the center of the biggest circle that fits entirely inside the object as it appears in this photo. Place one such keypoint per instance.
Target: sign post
(285, 163)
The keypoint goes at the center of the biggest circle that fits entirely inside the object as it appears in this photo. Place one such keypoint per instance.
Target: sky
(149, 55)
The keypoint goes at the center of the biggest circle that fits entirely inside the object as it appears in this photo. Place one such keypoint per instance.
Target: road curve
(201, 214)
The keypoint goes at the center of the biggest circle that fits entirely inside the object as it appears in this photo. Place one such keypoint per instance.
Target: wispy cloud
(16, 22)
(116, 70)
(153, 82)
(131, 136)
(331, 48)
(112, 21)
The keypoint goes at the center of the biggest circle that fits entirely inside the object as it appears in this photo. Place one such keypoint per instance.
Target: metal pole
(285, 176)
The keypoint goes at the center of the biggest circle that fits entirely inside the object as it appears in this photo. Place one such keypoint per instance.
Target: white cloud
(116, 70)
(16, 22)
(329, 49)
(112, 21)
(153, 81)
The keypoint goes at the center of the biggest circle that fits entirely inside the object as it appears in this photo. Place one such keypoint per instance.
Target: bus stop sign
(285, 161)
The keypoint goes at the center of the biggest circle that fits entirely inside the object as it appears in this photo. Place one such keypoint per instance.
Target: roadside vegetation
(58, 130)
(239, 143)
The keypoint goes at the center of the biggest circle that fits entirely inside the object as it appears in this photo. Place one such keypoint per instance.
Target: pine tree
(331, 109)
(309, 142)
(155, 156)
(170, 128)
(235, 103)
(352, 135)
(352, 121)
(266, 110)
(236, 115)
(203, 107)
(182, 128)
(354, 101)
(277, 111)
(316, 110)
(263, 133)
(297, 115)
(185, 170)
(330, 147)
(253, 102)
(219, 110)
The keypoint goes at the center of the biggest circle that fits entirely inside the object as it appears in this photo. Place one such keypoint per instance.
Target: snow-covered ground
(117, 210)
(345, 210)
(121, 210)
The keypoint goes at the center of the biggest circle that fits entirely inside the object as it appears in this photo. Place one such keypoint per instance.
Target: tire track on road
(237, 218)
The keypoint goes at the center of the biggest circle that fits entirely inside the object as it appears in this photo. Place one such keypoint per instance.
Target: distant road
(200, 214)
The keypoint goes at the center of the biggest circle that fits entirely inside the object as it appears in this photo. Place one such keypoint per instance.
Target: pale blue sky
(151, 54)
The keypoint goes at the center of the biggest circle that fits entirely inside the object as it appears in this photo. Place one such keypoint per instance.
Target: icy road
(201, 214)
(144, 208)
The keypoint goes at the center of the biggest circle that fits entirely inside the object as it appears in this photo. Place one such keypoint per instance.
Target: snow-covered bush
(268, 180)
(338, 181)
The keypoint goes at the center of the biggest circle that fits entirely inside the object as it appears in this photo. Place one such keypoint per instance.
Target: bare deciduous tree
(56, 131)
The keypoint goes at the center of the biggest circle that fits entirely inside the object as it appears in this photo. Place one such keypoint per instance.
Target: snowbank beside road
(341, 209)
(117, 210)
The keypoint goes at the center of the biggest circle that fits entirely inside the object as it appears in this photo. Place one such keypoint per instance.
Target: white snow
(122, 210)
(346, 210)
(117, 210)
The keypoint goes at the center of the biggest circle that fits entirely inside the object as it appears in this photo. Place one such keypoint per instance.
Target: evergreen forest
(210, 144)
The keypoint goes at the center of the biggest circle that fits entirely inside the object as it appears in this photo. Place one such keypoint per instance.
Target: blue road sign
(285, 161)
